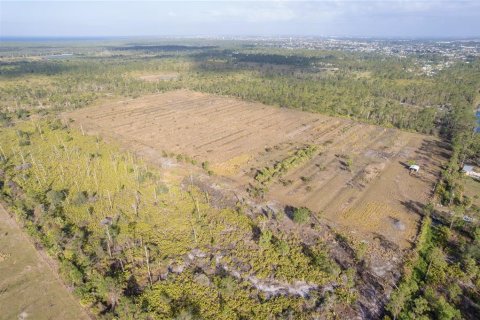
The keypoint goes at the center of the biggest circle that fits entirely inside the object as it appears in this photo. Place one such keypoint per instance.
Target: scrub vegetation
(117, 229)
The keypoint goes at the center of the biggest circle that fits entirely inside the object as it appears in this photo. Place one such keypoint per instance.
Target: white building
(471, 172)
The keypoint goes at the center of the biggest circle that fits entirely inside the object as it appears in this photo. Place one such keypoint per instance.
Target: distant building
(471, 172)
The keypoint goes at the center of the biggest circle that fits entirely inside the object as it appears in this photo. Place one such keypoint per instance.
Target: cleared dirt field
(29, 289)
(371, 195)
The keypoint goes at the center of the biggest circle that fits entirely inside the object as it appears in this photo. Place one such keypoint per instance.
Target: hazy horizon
(406, 19)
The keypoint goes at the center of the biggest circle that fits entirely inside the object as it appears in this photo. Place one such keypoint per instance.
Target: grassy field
(472, 190)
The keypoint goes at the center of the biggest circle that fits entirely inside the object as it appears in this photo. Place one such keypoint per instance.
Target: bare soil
(29, 287)
(375, 199)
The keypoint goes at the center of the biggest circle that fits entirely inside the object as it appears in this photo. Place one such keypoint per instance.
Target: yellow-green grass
(148, 209)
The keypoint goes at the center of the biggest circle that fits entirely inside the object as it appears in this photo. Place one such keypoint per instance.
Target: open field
(472, 190)
(356, 179)
(32, 289)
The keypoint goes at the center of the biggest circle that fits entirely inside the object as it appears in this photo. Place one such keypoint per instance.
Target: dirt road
(29, 288)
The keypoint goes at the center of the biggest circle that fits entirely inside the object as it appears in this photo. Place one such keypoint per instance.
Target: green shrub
(301, 215)
(227, 286)
(24, 142)
(80, 198)
(206, 165)
(161, 188)
(282, 247)
(55, 198)
(22, 114)
(55, 124)
(265, 239)
(5, 119)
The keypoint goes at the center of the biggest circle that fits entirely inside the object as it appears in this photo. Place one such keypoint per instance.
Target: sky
(353, 18)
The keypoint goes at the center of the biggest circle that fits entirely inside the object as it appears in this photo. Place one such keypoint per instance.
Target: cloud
(254, 12)
(321, 17)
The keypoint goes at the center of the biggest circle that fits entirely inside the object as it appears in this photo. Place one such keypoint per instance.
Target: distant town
(463, 49)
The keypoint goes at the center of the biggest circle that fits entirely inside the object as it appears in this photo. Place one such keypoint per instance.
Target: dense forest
(109, 229)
